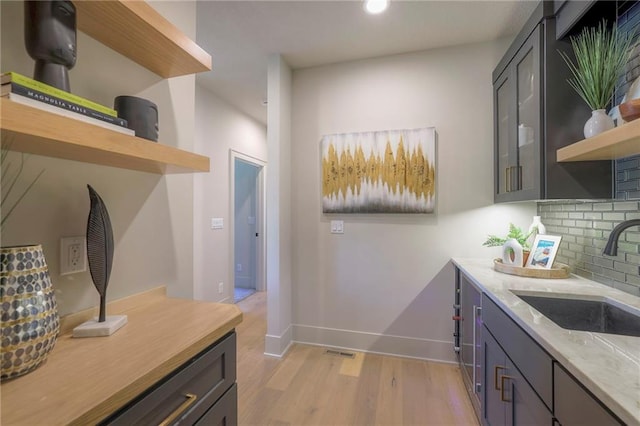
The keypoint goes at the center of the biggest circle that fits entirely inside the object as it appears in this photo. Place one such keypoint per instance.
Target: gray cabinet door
(517, 124)
(508, 398)
(574, 405)
(495, 365)
(525, 407)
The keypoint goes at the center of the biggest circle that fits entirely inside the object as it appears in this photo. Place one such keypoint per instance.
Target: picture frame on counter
(543, 251)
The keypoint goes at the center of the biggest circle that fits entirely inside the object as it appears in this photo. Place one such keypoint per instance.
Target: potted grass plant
(600, 57)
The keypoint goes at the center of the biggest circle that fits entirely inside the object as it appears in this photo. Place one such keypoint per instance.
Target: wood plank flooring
(309, 387)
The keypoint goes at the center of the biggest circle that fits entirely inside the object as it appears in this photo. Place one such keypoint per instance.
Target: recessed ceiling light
(376, 6)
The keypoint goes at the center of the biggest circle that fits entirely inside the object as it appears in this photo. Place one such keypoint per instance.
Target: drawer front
(224, 412)
(189, 391)
(574, 405)
(533, 362)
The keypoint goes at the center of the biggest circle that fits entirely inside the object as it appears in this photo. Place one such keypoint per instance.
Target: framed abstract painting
(392, 171)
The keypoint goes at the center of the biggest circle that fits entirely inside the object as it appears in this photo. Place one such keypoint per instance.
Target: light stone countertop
(608, 365)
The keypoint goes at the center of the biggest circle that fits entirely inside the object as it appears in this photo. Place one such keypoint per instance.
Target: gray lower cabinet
(574, 405)
(509, 398)
(524, 385)
(201, 391)
(517, 373)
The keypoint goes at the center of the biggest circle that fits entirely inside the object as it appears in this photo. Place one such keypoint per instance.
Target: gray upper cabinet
(536, 112)
(573, 15)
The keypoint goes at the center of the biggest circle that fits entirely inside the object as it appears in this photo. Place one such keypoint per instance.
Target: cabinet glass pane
(503, 99)
(528, 111)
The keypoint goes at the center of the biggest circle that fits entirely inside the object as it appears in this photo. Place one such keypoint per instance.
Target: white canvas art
(390, 171)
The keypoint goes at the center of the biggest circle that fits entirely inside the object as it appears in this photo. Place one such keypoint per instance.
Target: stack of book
(24, 90)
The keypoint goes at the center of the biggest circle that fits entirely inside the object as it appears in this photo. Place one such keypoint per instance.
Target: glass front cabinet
(537, 112)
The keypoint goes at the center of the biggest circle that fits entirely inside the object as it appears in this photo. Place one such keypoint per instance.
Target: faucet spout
(611, 249)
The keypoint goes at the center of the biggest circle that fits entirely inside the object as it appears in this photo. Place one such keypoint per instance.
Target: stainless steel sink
(599, 316)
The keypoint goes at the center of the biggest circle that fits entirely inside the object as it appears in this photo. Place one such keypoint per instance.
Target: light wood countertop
(84, 380)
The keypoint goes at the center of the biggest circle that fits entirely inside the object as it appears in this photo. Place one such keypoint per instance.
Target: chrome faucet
(611, 249)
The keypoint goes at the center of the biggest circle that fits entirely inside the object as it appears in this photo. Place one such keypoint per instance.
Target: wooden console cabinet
(203, 387)
(175, 359)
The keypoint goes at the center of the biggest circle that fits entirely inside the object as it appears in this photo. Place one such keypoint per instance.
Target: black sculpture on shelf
(140, 113)
(50, 39)
(99, 247)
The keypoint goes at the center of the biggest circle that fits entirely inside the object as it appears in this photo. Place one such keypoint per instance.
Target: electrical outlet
(73, 255)
(239, 267)
(220, 288)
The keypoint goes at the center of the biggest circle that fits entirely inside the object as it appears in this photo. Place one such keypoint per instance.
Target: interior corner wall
(279, 216)
(220, 128)
(151, 214)
(386, 284)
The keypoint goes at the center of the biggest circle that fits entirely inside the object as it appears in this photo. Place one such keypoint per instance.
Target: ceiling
(240, 36)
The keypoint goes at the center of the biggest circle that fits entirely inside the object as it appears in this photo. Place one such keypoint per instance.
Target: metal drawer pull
(191, 398)
(502, 397)
(495, 374)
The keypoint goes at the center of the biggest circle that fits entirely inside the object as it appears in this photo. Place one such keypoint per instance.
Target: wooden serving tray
(559, 270)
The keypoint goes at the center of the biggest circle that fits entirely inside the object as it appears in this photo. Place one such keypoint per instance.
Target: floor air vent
(342, 354)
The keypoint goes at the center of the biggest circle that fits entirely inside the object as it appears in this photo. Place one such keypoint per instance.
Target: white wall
(386, 284)
(151, 214)
(279, 208)
(219, 129)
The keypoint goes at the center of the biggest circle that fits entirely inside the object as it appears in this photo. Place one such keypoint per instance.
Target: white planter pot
(598, 123)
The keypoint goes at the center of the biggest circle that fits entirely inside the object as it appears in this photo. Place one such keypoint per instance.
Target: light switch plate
(337, 227)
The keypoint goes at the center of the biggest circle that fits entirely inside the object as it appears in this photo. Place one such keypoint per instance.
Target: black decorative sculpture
(99, 248)
(50, 39)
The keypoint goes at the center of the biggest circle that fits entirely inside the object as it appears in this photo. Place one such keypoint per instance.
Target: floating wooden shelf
(139, 32)
(620, 142)
(39, 132)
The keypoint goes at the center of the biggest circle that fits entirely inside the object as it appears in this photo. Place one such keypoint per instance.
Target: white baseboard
(408, 347)
(277, 346)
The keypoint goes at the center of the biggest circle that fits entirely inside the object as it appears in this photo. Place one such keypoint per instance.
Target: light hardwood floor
(309, 387)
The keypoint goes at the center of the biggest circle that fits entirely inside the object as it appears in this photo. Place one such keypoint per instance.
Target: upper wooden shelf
(39, 132)
(620, 142)
(139, 32)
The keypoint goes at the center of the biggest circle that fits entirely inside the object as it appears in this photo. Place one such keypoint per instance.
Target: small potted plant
(514, 233)
(600, 57)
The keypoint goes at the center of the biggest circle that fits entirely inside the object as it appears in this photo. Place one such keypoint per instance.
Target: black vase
(141, 115)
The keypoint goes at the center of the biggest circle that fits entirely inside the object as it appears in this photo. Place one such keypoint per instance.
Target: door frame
(261, 247)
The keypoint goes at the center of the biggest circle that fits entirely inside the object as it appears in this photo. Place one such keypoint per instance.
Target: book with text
(60, 103)
(66, 113)
(14, 77)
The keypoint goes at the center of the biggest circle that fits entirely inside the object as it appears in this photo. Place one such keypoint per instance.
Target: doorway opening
(248, 260)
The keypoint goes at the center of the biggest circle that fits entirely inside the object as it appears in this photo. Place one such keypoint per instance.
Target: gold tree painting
(379, 172)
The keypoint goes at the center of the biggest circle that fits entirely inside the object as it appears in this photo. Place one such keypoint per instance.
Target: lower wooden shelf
(31, 130)
(620, 142)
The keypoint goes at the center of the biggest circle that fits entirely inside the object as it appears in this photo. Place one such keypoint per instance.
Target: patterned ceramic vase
(30, 322)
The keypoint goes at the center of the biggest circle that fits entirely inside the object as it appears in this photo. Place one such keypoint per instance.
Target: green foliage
(600, 58)
(514, 232)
